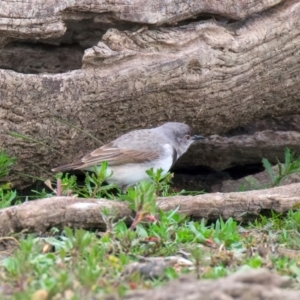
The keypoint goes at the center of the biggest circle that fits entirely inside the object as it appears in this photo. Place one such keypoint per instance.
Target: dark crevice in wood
(200, 18)
(36, 56)
(241, 171)
(197, 178)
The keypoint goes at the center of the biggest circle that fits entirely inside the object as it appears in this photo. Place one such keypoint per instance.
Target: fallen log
(41, 215)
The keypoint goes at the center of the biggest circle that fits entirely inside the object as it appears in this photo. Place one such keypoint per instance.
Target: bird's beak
(197, 137)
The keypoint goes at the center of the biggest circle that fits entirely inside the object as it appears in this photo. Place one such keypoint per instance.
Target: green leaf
(5, 163)
(269, 169)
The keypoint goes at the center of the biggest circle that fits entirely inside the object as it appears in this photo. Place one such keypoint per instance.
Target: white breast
(130, 174)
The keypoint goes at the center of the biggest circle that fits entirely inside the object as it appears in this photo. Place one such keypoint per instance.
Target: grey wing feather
(113, 156)
(116, 156)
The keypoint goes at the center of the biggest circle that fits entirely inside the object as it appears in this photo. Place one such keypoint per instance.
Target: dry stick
(40, 215)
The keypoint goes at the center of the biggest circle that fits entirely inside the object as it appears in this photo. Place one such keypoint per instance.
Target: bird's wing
(114, 155)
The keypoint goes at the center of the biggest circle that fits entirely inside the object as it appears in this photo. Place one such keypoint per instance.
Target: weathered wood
(42, 20)
(40, 215)
(221, 152)
(241, 206)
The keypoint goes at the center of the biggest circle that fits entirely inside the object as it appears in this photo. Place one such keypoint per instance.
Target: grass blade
(269, 169)
(28, 138)
(79, 129)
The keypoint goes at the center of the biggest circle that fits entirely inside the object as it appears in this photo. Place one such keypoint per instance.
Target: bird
(129, 156)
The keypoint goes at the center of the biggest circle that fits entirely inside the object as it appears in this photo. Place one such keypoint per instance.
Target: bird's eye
(187, 137)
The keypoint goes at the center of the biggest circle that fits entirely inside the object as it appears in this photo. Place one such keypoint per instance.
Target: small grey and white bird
(132, 154)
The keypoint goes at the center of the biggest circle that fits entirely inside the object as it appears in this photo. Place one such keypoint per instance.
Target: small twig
(58, 187)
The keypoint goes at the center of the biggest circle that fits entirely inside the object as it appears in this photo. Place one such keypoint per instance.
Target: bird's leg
(124, 188)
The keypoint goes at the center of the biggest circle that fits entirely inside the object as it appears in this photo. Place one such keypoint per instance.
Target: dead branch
(41, 215)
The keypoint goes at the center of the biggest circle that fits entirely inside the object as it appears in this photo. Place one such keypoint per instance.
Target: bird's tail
(67, 167)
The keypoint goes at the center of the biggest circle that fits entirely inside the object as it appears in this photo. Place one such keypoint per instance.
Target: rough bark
(214, 75)
(45, 19)
(41, 215)
(251, 284)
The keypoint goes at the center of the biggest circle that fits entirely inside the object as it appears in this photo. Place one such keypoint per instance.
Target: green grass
(7, 195)
(80, 264)
(92, 264)
(290, 166)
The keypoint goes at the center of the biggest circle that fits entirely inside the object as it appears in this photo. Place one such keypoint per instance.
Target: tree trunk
(211, 64)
